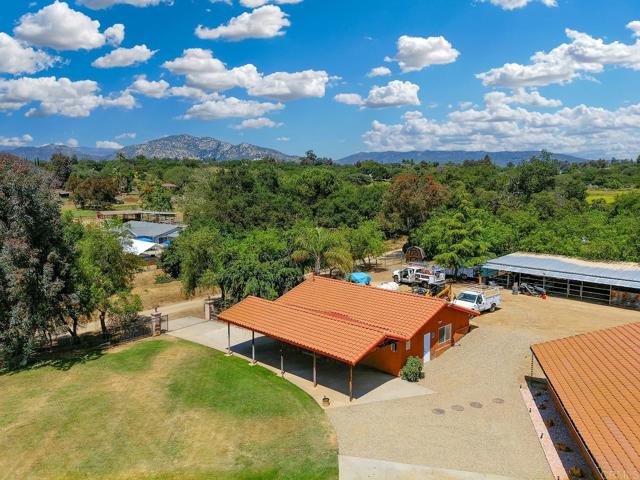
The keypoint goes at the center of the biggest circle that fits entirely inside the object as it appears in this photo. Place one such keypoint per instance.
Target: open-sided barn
(612, 283)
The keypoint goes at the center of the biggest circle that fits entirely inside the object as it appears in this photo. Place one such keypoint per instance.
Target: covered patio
(332, 376)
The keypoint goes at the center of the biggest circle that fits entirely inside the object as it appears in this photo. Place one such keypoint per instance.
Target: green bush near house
(412, 370)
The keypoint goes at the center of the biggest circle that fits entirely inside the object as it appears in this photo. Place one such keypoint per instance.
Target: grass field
(608, 196)
(160, 409)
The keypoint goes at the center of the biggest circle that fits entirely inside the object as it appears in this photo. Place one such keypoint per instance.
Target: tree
(61, 167)
(310, 158)
(322, 247)
(92, 192)
(409, 201)
(169, 260)
(36, 290)
(534, 176)
(199, 251)
(455, 238)
(366, 241)
(260, 264)
(105, 268)
(154, 197)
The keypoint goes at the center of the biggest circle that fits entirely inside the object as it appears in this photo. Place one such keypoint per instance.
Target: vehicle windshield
(468, 297)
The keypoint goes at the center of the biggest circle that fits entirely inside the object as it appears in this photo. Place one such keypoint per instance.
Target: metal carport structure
(612, 283)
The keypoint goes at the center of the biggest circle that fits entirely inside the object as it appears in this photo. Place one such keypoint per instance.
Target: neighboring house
(161, 233)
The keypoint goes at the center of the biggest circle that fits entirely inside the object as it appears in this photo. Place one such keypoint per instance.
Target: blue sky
(295, 74)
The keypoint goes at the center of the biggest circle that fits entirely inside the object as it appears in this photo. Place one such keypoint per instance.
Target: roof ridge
(320, 313)
(382, 290)
(590, 333)
(346, 318)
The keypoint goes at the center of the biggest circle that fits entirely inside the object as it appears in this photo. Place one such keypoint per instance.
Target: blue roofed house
(160, 233)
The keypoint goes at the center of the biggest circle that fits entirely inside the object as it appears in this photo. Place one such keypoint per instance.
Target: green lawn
(608, 196)
(160, 409)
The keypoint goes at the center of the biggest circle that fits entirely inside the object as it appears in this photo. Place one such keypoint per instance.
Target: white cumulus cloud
(255, 123)
(205, 72)
(20, 141)
(230, 107)
(124, 57)
(290, 86)
(149, 88)
(634, 27)
(379, 72)
(108, 144)
(72, 142)
(264, 22)
(417, 53)
(127, 135)
(582, 56)
(60, 27)
(514, 4)
(16, 57)
(395, 94)
(260, 3)
(58, 96)
(100, 4)
(582, 130)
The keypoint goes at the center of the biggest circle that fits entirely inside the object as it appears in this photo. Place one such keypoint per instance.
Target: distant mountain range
(211, 149)
(45, 151)
(454, 156)
(203, 148)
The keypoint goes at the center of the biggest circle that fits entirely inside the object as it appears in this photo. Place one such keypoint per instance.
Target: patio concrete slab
(369, 385)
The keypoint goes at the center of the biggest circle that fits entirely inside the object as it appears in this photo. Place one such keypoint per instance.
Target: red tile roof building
(595, 381)
(355, 323)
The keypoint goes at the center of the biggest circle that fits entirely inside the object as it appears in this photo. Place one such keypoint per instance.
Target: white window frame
(407, 345)
(394, 347)
(447, 338)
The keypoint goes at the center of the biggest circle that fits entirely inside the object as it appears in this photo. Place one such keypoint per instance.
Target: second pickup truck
(480, 300)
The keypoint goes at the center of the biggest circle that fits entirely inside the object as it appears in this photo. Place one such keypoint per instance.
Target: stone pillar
(156, 323)
(208, 308)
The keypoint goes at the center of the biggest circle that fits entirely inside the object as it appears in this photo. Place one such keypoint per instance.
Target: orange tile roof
(399, 315)
(329, 336)
(596, 377)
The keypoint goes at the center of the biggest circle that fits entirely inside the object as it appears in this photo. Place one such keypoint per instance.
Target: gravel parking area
(476, 420)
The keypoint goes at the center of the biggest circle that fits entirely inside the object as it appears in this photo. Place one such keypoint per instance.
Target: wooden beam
(315, 378)
(281, 360)
(253, 347)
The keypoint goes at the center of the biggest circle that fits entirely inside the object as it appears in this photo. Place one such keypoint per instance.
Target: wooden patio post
(315, 378)
(228, 338)
(281, 360)
(253, 347)
(350, 383)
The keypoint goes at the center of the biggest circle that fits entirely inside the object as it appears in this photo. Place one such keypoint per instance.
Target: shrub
(412, 370)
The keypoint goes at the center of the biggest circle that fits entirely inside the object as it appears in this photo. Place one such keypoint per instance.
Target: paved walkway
(369, 385)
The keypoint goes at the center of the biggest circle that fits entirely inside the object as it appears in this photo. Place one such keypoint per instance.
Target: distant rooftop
(151, 229)
(135, 212)
(622, 274)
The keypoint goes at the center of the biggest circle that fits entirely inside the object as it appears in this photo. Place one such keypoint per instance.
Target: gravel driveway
(476, 421)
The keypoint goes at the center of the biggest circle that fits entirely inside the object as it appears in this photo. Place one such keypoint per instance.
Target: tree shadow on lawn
(62, 360)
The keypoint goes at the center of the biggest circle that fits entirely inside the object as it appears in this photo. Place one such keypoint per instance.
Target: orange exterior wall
(391, 362)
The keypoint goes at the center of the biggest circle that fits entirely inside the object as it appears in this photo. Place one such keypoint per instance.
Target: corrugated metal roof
(344, 341)
(151, 229)
(596, 377)
(620, 274)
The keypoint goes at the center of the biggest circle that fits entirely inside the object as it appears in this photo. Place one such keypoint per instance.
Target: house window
(444, 334)
(408, 345)
(394, 347)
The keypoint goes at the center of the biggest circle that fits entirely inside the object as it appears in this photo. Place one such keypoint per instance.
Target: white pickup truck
(420, 274)
(480, 299)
